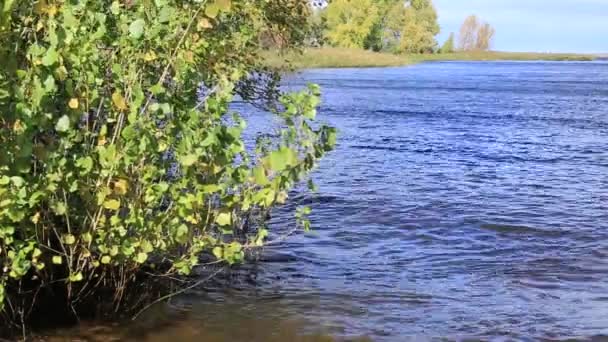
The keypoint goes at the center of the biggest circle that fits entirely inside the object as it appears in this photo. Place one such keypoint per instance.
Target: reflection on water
(463, 200)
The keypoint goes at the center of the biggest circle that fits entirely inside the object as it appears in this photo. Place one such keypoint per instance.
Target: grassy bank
(502, 56)
(353, 58)
(334, 58)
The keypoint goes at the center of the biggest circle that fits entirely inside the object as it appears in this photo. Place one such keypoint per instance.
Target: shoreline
(313, 58)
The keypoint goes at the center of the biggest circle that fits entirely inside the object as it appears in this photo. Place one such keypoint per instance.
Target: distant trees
(389, 25)
(448, 46)
(485, 35)
(420, 28)
(468, 33)
(475, 35)
(349, 22)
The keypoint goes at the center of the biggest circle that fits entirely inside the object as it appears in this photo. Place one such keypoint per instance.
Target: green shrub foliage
(116, 155)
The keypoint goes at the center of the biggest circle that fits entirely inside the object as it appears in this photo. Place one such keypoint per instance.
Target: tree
(394, 22)
(349, 22)
(467, 38)
(485, 35)
(448, 46)
(475, 35)
(119, 163)
(411, 27)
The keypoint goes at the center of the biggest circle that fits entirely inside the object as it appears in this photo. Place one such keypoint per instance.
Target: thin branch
(171, 295)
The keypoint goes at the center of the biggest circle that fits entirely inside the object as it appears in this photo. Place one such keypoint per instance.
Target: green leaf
(136, 29)
(57, 260)
(310, 113)
(85, 163)
(209, 140)
(60, 208)
(50, 57)
(224, 219)
(75, 277)
(218, 252)
(181, 234)
(141, 257)
(69, 239)
(63, 125)
(86, 237)
(115, 8)
(106, 259)
(189, 160)
(259, 175)
(281, 159)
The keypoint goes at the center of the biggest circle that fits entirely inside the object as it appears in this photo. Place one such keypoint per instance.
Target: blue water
(464, 200)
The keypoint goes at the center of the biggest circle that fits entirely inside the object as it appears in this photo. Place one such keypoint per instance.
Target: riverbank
(357, 58)
(502, 56)
(334, 58)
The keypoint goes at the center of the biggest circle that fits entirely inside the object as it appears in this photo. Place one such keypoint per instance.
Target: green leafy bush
(116, 158)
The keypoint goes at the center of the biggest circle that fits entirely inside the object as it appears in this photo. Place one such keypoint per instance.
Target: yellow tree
(467, 39)
(485, 35)
(349, 22)
(419, 27)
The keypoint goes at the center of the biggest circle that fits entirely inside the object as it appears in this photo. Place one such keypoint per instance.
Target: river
(464, 200)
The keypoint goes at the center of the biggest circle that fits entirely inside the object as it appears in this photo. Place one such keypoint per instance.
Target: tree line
(379, 25)
(393, 26)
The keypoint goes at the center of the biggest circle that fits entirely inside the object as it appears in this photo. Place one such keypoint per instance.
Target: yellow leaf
(18, 127)
(101, 141)
(36, 218)
(112, 204)
(73, 103)
(121, 187)
(149, 56)
(189, 57)
(51, 10)
(119, 101)
(223, 5)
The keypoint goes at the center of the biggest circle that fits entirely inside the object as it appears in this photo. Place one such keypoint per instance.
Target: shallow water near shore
(464, 200)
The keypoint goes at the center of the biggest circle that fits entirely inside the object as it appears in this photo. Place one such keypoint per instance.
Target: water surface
(464, 200)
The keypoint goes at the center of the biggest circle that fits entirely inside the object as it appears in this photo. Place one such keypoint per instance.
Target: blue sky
(534, 25)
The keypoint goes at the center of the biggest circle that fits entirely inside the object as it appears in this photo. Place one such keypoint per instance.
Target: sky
(534, 25)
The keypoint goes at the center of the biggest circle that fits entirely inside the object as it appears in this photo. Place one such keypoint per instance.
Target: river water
(464, 200)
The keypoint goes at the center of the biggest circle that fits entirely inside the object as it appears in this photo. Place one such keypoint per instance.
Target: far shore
(356, 58)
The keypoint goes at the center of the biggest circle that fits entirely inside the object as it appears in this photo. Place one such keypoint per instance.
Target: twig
(171, 295)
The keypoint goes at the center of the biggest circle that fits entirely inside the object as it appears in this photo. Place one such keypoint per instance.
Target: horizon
(559, 26)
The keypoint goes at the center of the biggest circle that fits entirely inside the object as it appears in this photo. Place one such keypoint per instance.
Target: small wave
(376, 148)
(520, 230)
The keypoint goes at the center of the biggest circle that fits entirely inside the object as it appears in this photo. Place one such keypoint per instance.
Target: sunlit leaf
(112, 204)
(63, 125)
(136, 29)
(224, 219)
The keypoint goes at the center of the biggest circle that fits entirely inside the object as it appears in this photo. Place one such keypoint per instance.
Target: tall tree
(349, 22)
(394, 22)
(485, 35)
(467, 39)
(411, 26)
(448, 46)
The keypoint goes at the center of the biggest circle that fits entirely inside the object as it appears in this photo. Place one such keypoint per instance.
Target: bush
(117, 160)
